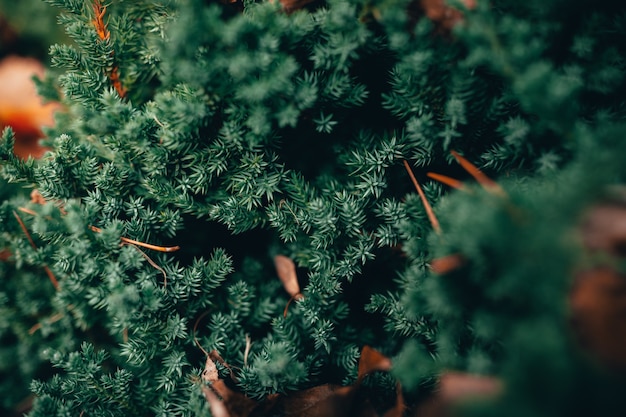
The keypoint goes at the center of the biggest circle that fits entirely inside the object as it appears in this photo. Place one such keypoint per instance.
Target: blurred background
(27, 29)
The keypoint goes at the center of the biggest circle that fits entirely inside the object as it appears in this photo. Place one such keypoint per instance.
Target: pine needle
(429, 210)
(486, 182)
(50, 274)
(451, 182)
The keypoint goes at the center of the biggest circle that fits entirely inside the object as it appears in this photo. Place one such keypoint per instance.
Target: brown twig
(104, 35)
(195, 328)
(151, 262)
(51, 319)
(51, 276)
(98, 21)
(486, 182)
(246, 352)
(142, 244)
(451, 182)
(123, 239)
(429, 210)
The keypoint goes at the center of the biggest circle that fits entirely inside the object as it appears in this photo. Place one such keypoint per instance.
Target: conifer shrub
(208, 150)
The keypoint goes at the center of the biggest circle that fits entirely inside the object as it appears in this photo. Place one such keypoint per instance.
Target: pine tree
(202, 141)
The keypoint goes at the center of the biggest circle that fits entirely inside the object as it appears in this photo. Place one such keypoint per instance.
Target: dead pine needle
(151, 262)
(98, 21)
(51, 319)
(142, 244)
(51, 276)
(429, 210)
(195, 329)
(486, 182)
(284, 203)
(444, 179)
(103, 33)
(295, 297)
(26, 232)
(246, 352)
(27, 211)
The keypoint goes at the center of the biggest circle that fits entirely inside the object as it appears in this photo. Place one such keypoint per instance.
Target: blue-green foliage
(243, 135)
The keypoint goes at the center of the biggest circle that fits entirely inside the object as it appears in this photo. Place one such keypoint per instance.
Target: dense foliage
(247, 130)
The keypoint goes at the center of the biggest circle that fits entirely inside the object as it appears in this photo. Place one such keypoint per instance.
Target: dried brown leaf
(286, 270)
(455, 388)
(604, 229)
(218, 407)
(326, 400)
(237, 404)
(224, 402)
(5, 254)
(598, 296)
(444, 16)
(459, 386)
(598, 305)
(398, 409)
(210, 374)
(322, 401)
(372, 360)
(447, 264)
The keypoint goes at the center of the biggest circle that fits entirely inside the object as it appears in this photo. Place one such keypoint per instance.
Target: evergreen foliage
(239, 132)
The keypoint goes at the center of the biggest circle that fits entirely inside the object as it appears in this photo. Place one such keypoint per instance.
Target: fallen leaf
(604, 229)
(598, 295)
(210, 374)
(598, 307)
(456, 387)
(322, 401)
(372, 360)
(459, 386)
(290, 6)
(444, 16)
(447, 264)
(224, 401)
(327, 400)
(5, 254)
(218, 407)
(286, 270)
(237, 404)
(330, 400)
